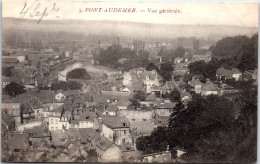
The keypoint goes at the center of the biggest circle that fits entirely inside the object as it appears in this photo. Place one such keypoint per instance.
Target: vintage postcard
(129, 82)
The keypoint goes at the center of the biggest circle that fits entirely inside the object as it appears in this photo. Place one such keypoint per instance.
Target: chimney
(51, 106)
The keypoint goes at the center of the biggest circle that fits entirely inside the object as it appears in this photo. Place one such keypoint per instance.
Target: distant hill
(126, 29)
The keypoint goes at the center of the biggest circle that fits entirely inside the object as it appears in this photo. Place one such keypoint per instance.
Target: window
(124, 131)
(51, 121)
(52, 128)
(123, 141)
(56, 121)
(124, 124)
(56, 128)
(38, 111)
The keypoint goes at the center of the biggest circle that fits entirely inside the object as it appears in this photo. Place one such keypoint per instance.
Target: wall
(86, 124)
(108, 133)
(112, 153)
(136, 114)
(28, 125)
(13, 109)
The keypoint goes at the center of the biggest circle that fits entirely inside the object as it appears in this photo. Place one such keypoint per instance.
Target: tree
(144, 144)
(229, 46)
(179, 52)
(14, 89)
(197, 67)
(175, 96)
(92, 155)
(166, 71)
(78, 73)
(250, 55)
(151, 67)
(157, 142)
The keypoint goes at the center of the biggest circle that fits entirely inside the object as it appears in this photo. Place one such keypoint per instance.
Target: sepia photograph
(129, 82)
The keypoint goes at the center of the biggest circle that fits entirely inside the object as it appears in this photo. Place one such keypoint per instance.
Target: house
(150, 79)
(27, 112)
(180, 69)
(30, 124)
(132, 80)
(160, 157)
(60, 97)
(88, 136)
(111, 110)
(178, 60)
(209, 88)
(196, 84)
(165, 108)
(67, 54)
(9, 60)
(37, 134)
(12, 109)
(151, 100)
(185, 97)
(18, 142)
(107, 150)
(205, 57)
(58, 123)
(86, 120)
(161, 121)
(225, 74)
(140, 120)
(6, 81)
(58, 118)
(116, 129)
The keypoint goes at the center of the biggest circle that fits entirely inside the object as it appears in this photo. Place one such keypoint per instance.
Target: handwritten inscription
(37, 11)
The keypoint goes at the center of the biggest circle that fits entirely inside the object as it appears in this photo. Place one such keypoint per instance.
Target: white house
(209, 89)
(196, 84)
(58, 123)
(178, 60)
(225, 74)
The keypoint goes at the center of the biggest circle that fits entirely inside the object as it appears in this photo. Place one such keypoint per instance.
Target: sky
(189, 13)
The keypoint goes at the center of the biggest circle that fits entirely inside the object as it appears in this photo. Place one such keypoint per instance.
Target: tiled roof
(161, 120)
(6, 120)
(228, 73)
(115, 122)
(144, 127)
(195, 82)
(152, 97)
(9, 59)
(7, 79)
(166, 105)
(38, 132)
(183, 94)
(88, 134)
(209, 86)
(87, 116)
(152, 75)
(18, 141)
(112, 108)
(103, 143)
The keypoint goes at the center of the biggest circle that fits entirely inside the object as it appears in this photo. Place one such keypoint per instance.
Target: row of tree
(18, 41)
